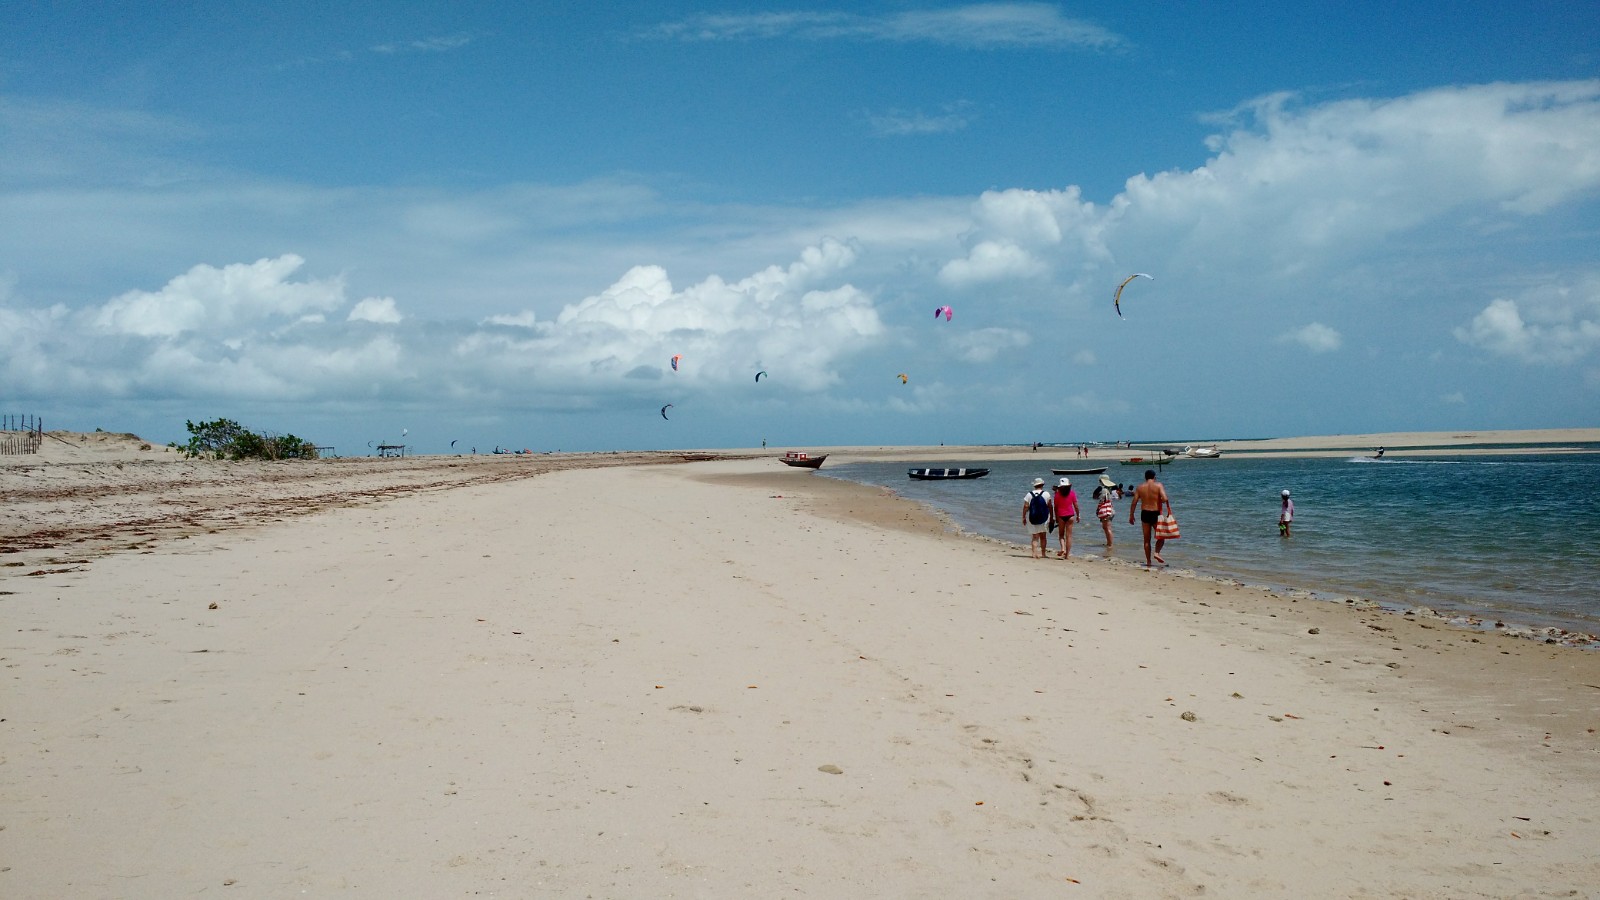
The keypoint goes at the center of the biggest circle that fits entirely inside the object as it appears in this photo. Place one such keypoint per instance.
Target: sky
(495, 224)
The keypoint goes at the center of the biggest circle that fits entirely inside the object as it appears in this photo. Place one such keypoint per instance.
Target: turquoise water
(1503, 537)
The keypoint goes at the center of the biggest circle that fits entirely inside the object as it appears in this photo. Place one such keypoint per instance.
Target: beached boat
(1098, 471)
(943, 474)
(1202, 452)
(802, 460)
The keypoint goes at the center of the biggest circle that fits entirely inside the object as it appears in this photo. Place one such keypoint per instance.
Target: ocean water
(1503, 537)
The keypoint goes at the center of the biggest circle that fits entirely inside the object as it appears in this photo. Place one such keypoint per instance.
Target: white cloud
(990, 261)
(985, 344)
(1085, 358)
(239, 331)
(205, 297)
(1293, 185)
(376, 309)
(1555, 324)
(1454, 398)
(982, 25)
(1316, 337)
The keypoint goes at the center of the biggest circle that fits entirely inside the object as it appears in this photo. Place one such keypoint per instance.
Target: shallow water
(1513, 537)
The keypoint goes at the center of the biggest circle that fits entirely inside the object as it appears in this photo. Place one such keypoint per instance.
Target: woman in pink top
(1066, 516)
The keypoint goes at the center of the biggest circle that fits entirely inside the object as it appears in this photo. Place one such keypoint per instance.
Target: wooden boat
(802, 460)
(1099, 471)
(1141, 461)
(944, 474)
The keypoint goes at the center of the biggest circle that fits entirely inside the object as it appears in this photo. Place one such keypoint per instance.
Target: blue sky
(496, 223)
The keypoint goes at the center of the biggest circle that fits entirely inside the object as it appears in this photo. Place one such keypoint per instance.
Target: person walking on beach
(1150, 499)
(1104, 511)
(1066, 504)
(1037, 517)
(1285, 514)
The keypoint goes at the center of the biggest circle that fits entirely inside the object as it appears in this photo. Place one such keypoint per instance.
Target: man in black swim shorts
(1150, 499)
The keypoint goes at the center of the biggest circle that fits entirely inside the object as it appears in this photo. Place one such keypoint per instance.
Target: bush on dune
(227, 439)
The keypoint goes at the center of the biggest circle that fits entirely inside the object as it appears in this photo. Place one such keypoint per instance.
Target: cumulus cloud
(1316, 337)
(990, 261)
(1016, 233)
(380, 310)
(1555, 324)
(1331, 179)
(981, 25)
(243, 330)
(208, 298)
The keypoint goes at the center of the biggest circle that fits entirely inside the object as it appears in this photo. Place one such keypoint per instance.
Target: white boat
(1202, 452)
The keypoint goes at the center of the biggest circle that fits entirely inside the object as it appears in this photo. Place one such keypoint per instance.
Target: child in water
(1285, 515)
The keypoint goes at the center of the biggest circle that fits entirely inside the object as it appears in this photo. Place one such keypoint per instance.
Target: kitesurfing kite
(760, 373)
(453, 443)
(1116, 299)
(903, 378)
(664, 411)
(945, 311)
(675, 361)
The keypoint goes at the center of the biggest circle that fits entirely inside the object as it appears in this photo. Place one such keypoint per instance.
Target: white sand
(514, 689)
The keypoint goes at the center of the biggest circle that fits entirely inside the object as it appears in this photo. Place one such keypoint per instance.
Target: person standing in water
(1149, 500)
(1066, 504)
(1285, 514)
(1038, 515)
(1103, 510)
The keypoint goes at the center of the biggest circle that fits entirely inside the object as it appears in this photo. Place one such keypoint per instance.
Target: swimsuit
(1149, 516)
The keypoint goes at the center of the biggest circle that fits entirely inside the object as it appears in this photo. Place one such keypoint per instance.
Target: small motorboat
(1099, 471)
(944, 474)
(802, 460)
(1202, 452)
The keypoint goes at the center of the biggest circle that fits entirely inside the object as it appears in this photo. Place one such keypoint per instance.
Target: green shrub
(227, 439)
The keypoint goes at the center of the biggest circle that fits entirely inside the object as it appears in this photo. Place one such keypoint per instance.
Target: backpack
(1038, 509)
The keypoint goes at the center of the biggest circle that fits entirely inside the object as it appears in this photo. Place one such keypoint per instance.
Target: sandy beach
(622, 675)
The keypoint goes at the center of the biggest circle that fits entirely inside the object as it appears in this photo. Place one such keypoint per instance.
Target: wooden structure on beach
(20, 434)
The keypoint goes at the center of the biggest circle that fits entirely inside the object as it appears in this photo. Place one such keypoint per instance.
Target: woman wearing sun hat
(1066, 503)
(1104, 511)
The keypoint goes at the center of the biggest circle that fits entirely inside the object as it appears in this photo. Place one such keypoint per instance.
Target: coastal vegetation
(227, 439)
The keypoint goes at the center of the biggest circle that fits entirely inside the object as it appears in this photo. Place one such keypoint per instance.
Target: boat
(802, 460)
(1141, 461)
(1202, 452)
(944, 474)
(1099, 471)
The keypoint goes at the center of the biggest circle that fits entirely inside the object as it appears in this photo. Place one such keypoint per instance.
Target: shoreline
(1528, 623)
(783, 684)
